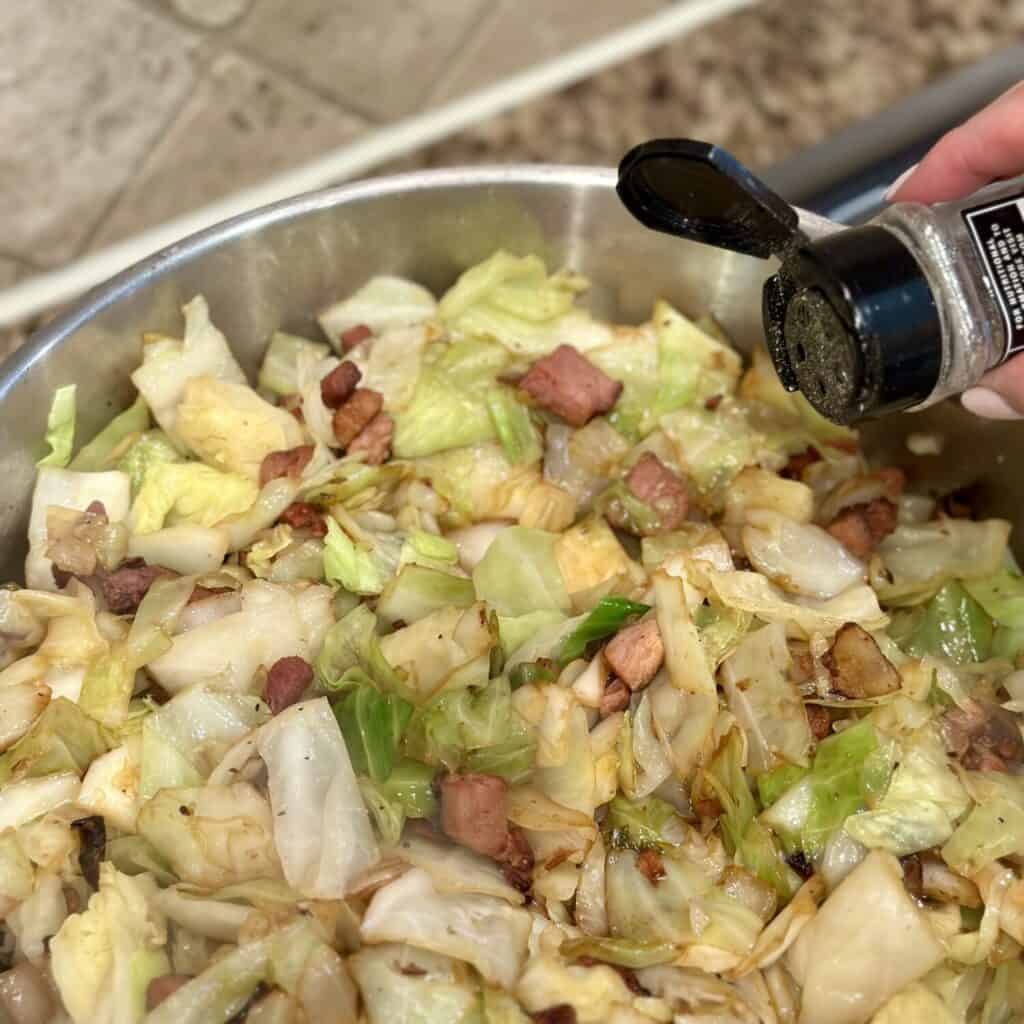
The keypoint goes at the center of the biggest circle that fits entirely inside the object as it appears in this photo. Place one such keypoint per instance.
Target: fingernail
(989, 404)
(894, 187)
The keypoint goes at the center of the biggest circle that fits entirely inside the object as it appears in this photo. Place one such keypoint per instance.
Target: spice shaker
(892, 315)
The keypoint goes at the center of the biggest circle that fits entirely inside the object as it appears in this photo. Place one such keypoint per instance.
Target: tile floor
(118, 114)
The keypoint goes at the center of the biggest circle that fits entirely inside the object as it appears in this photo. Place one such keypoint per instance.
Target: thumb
(999, 395)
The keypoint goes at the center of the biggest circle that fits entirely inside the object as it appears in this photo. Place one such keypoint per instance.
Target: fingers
(983, 149)
(999, 395)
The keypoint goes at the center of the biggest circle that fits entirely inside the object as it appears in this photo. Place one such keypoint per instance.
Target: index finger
(988, 146)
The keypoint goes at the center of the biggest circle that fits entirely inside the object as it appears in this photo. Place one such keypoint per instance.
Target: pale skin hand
(983, 149)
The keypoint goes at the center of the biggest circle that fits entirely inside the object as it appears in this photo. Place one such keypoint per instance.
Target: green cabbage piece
(951, 625)
(513, 427)
(406, 793)
(753, 844)
(993, 829)
(60, 428)
(352, 644)
(774, 782)
(146, 450)
(428, 550)
(63, 738)
(348, 565)
(519, 574)
(920, 808)
(850, 769)
(475, 729)
(607, 618)
(385, 302)
(1002, 597)
(189, 492)
(640, 824)
(372, 724)
(401, 984)
(621, 952)
(686, 366)
(718, 443)
(449, 408)
(513, 300)
(417, 591)
(279, 372)
(114, 440)
(920, 558)
(516, 630)
(104, 958)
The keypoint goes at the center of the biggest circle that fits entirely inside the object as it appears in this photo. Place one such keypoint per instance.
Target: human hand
(985, 148)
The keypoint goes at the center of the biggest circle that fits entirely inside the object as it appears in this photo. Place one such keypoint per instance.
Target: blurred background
(123, 118)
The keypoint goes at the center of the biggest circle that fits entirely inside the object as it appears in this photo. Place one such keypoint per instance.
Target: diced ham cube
(984, 737)
(287, 681)
(474, 812)
(300, 515)
(861, 528)
(355, 415)
(656, 485)
(374, 440)
(570, 386)
(354, 336)
(635, 653)
(615, 698)
(339, 384)
(288, 462)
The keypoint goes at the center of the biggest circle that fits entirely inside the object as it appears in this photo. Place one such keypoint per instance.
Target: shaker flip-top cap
(850, 318)
(701, 192)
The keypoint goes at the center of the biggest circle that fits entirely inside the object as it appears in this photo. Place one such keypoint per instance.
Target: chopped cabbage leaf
(589, 556)
(60, 428)
(993, 829)
(513, 427)
(950, 625)
(184, 739)
(765, 701)
(450, 407)
(513, 300)
(922, 805)
(231, 428)
(848, 768)
(352, 643)
(224, 835)
(62, 739)
(189, 492)
(866, 943)
(642, 824)
(418, 591)
(349, 565)
(275, 621)
(103, 958)
(382, 304)
(920, 558)
(474, 730)
(322, 829)
(279, 371)
(401, 984)
(114, 440)
(146, 449)
(406, 793)
(520, 573)
(372, 724)
(450, 648)
(482, 930)
(753, 844)
(65, 488)
(168, 365)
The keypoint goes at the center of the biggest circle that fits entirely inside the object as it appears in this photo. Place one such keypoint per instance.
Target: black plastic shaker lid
(850, 318)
